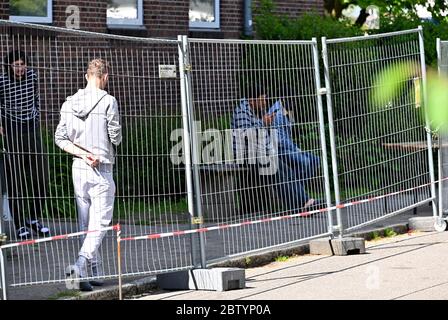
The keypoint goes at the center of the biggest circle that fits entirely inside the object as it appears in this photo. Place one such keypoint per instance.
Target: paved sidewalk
(109, 291)
(409, 266)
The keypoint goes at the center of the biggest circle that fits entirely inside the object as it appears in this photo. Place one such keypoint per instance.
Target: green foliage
(388, 232)
(147, 181)
(281, 258)
(151, 211)
(405, 9)
(437, 93)
(270, 26)
(61, 194)
(144, 165)
(391, 81)
(437, 100)
(65, 294)
(366, 123)
(375, 235)
(431, 31)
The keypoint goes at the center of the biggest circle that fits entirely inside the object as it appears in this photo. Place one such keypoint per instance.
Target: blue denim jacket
(283, 126)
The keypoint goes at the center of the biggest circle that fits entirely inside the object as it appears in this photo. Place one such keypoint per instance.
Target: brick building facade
(166, 18)
(150, 105)
(60, 58)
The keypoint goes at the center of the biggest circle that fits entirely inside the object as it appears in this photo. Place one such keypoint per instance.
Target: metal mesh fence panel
(258, 132)
(150, 192)
(443, 57)
(442, 50)
(378, 149)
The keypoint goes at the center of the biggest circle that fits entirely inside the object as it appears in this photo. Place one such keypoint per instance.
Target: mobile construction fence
(372, 146)
(187, 194)
(442, 59)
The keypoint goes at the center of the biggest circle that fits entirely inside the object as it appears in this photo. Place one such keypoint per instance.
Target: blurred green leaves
(437, 99)
(391, 82)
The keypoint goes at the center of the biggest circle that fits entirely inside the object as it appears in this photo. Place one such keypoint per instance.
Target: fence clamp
(197, 220)
(3, 238)
(336, 228)
(188, 68)
(322, 91)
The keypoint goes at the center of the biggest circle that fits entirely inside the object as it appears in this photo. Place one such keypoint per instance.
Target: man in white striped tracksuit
(24, 161)
(89, 128)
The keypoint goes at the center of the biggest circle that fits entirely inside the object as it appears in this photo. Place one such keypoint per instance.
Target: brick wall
(232, 13)
(92, 14)
(293, 8)
(4, 10)
(163, 18)
(168, 18)
(232, 18)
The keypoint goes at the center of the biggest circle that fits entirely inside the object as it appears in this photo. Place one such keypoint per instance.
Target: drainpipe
(248, 31)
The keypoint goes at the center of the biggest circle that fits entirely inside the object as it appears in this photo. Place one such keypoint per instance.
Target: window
(36, 11)
(204, 14)
(125, 12)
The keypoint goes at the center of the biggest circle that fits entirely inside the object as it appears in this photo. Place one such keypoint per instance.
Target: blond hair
(97, 68)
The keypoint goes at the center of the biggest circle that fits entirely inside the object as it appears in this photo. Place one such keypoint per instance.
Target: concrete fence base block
(347, 246)
(321, 246)
(216, 279)
(338, 247)
(425, 224)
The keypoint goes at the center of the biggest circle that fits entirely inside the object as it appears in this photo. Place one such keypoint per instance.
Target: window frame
(31, 19)
(113, 22)
(208, 25)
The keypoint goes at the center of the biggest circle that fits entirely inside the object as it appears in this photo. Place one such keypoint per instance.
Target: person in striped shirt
(24, 169)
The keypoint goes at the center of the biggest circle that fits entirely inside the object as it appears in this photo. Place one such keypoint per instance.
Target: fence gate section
(377, 150)
(233, 83)
(442, 55)
(151, 194)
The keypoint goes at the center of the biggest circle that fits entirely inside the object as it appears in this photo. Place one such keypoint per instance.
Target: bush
(143, 161)
(363, 154)
(269, 26)
(60, 190)
(431, 31)
(144, 174)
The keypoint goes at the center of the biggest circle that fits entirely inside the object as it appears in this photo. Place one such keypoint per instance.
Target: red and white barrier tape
(60, 237)
(302, 214)
(218, 227)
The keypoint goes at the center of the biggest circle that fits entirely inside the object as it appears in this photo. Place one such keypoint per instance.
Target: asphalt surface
(409, 266)
(259, 286)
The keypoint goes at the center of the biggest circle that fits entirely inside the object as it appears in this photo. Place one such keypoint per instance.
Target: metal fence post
(428, 134)
(120, 275)
(186, 140)
(195, 192)
(441, 223)
(3, 275)
(2, 239)
(322, 132)
(334, 163)
(439, 153)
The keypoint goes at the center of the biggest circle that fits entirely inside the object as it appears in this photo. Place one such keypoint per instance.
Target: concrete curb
(144, 285)
(133, 288)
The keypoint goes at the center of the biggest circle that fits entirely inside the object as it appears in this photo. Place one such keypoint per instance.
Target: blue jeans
(289, 188)
(304, 164)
